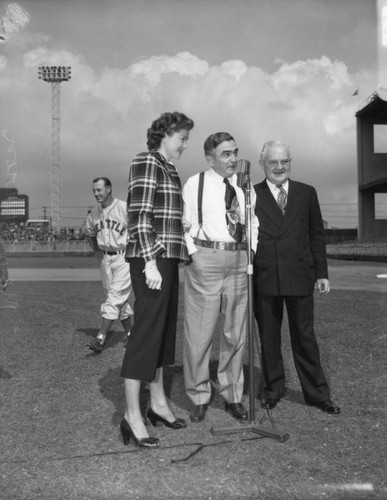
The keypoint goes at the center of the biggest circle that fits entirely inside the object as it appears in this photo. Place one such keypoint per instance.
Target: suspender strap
(200, 199)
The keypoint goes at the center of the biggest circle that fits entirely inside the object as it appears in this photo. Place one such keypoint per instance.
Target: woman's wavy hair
(166, 124)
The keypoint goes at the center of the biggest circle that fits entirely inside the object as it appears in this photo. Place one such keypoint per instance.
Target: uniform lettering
(111, 224)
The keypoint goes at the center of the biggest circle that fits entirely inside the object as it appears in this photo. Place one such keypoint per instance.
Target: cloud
(105, 115)
(154, 68)
(300, 72)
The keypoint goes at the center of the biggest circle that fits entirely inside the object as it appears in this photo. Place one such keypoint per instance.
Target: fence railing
(358, 249)
(48, 246)
(82, 246)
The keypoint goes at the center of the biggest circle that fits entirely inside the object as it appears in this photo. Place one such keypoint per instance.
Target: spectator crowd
(20, 233)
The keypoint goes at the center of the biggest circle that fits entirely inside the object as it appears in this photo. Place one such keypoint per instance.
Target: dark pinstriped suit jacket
(291, 252)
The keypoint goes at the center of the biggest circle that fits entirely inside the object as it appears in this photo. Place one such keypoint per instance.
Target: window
(380, 205)
(380, 138)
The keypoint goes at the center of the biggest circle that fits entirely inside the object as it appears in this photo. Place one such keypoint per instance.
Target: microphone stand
(272, 432)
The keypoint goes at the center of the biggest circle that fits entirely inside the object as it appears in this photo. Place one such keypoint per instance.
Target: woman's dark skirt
(151, 343)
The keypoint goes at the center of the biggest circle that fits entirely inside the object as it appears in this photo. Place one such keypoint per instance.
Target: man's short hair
(268, 145)
(213, 141)
(104, 179)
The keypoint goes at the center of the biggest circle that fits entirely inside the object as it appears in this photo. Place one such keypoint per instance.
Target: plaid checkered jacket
(155, 210)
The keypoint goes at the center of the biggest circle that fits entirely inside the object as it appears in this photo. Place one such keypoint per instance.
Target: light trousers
(117, 284)
(215, 284)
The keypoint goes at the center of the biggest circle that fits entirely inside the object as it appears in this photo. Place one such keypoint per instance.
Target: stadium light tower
(55, 75)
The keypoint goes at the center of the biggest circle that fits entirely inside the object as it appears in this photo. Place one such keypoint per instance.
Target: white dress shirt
(214, 226)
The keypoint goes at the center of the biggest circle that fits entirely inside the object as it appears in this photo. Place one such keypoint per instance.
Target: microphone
(243, 173)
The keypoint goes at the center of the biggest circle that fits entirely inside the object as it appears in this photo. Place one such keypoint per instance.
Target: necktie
(235, 228)
(282, 198)
(230, 193)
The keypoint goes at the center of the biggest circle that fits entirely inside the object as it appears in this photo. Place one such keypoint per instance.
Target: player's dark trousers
(306, 356)
(151, 343)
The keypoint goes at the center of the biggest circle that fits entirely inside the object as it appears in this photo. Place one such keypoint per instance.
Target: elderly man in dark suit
(290, 260)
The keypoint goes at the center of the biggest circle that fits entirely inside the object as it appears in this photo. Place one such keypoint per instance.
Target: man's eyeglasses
(281, 163)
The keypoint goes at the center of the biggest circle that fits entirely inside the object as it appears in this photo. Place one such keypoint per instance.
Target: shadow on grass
(111, 387)
(113, 339)
(4, 374)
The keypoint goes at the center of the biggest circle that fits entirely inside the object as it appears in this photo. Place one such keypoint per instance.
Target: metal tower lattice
(55, 75)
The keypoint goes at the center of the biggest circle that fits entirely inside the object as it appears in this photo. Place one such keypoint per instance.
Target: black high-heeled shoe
(127, 433)
(154, 418)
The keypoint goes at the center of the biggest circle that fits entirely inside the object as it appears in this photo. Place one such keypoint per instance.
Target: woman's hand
(186, 225)
(152, 275)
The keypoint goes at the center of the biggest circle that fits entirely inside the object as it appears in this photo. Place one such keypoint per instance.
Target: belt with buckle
(107, 252)
(220, 245)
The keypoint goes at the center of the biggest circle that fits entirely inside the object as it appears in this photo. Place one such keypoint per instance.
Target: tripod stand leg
(270, 432)
(268, 416)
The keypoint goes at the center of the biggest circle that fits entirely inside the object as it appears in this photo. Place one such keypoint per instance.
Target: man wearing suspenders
(216, 279)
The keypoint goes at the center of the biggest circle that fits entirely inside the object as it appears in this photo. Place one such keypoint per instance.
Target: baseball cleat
(96, 345)
(127, 335)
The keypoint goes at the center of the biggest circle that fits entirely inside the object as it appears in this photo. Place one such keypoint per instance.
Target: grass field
(61, 407)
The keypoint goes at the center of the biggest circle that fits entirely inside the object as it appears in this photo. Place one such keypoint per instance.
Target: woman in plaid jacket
(155, 247)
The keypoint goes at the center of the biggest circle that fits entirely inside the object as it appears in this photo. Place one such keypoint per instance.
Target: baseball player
(106, 229)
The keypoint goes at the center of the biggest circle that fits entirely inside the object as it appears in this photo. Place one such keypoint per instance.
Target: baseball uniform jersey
(109, 226)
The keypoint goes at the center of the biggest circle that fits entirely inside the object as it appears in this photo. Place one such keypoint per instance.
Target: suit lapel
(293, 204)
(268, 205)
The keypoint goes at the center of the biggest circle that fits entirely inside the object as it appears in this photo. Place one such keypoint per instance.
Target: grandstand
(21, 240)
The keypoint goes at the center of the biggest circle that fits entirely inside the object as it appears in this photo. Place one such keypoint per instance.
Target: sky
(258, 69)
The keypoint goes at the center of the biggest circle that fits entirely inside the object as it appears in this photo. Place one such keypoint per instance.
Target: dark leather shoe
(198, 413)
(327, 406)
(268, 403)
(127, 434)
(96, 345)
(237, 410)
(154, 418)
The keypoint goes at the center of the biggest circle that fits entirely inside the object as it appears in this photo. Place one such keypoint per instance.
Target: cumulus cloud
(105, 114)
(301, 72)
(154, 68)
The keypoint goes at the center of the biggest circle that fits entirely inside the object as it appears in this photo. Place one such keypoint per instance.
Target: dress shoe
(178, 423)
(269, 403)
(237, 410)
(127, 433)
(327, 406)
(198, 413)
(96, 345)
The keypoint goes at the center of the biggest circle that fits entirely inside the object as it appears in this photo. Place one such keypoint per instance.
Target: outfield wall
(376, 251)
(48, 247)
